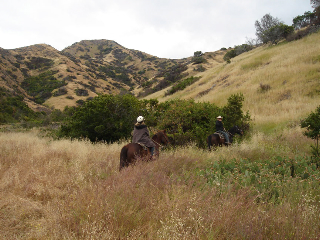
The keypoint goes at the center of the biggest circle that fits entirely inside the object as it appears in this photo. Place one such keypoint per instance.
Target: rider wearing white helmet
(141, 134)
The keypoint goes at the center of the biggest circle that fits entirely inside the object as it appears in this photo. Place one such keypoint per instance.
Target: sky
(164, 28)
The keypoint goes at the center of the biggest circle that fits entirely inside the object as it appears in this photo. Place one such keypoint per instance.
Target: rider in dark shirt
(220, 128)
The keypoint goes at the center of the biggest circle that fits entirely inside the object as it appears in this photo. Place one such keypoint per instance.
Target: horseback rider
(141, 135)
(220, 129)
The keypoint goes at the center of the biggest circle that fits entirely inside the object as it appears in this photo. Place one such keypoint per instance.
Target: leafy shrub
(41, 86)
(60, 91)
(39, 62)
(264, 87)
(13, 109)
(312, 124)
(116, 73)
(80, 102)
(198, 58)
(111, 118)
(304, 20)
(271, 178)
(105, 117)
(188, 121)
(234, 114)
(170, 76)
(237, 51)
(81, 92)
(182, 85)
(200, 68)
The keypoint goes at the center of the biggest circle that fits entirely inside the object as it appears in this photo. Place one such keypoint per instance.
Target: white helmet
(140, 119)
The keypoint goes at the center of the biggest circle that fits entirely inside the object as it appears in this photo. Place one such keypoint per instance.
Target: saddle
(220, 134)
(143, 146)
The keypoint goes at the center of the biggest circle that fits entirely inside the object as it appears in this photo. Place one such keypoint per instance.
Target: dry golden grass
(72, 190)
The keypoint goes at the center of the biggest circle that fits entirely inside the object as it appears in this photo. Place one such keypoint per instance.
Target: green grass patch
(272, 180)
(182, 85)
(257, 62)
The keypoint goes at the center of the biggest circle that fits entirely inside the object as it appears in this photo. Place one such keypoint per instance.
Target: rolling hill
(280, 83)
(55, 79)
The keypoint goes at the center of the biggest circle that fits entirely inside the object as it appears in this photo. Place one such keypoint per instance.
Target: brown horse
(214, 140)
(133, 151)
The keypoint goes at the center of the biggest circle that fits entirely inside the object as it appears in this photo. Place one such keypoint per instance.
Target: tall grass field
(63, 189)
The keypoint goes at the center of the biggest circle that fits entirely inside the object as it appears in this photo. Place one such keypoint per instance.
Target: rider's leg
(227, 137)
(152, 150)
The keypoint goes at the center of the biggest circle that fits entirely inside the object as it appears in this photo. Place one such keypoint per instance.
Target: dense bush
(111, 118)
(13, 109)
(41, 86)
(237, 51)
(170, 76)
(312, 125)
(182, 85)
(304, 20)
(187, 121)
(198, 57)
(39, 62)
(105, 117)
(116, 73)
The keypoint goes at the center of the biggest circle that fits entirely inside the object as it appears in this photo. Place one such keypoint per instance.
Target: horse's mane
(155, 135)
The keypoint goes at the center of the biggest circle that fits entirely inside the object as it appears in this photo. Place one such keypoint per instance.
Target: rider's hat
(140, 119)
(219, 117)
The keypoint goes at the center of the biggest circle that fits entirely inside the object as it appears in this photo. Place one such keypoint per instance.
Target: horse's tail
(123, 157)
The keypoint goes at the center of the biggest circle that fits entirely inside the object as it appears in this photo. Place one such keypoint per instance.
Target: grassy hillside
(281, 83)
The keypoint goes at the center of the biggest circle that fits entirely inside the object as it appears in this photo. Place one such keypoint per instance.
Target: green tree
(198, 57)
(237, 51)
(230, 54)
(267, 29)
(304, 20)
(189, 121)
(315, 3)
(312, 125)
(234, 114)
(105, 117)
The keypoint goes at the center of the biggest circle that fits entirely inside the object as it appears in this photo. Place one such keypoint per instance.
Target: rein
(156, 142)
(159, 143)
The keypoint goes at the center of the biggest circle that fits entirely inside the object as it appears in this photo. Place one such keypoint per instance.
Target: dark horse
(133, 151)
(215, 140)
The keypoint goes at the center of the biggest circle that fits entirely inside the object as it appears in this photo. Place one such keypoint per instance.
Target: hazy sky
(163, 28)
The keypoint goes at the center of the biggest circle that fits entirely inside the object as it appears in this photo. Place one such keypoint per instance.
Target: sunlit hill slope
(280, 83)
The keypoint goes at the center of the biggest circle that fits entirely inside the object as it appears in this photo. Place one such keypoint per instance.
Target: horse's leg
(209, 142)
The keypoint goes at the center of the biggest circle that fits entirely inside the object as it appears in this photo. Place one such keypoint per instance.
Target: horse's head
(161, 137)
(235, 129)
(238, 130)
